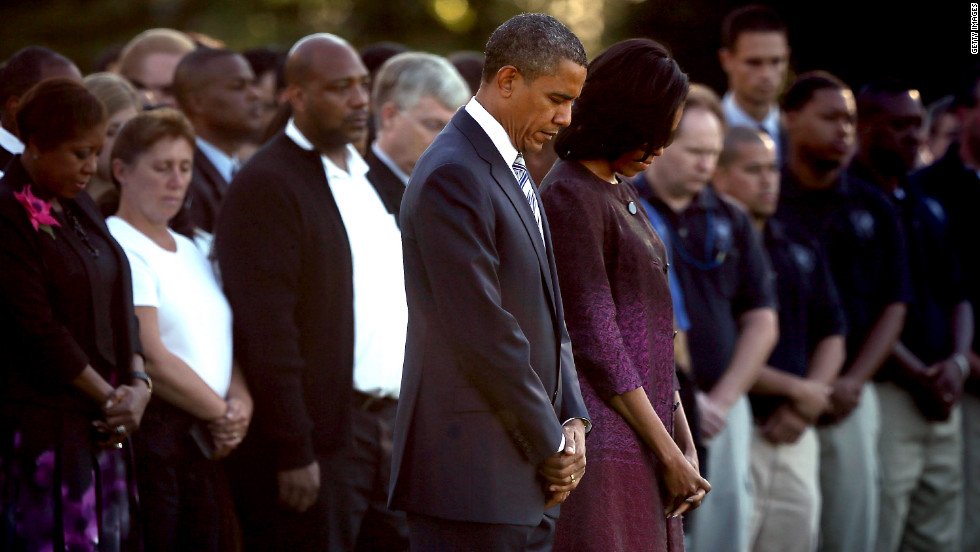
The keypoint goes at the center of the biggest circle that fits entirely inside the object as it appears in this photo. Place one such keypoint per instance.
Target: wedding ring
(573, 477)
(689, 500)
(121, 429)
(117, 445)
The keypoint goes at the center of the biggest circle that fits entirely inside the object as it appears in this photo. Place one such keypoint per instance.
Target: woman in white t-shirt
(203, 407)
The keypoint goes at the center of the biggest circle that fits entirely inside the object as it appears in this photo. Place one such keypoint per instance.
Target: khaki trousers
(786, 484)
(921, 476)
(723, 521)
(849, 479)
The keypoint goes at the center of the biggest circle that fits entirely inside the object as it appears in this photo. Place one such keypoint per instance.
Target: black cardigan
(48, 327)
(286, 266)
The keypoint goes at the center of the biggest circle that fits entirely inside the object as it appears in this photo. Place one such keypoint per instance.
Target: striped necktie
(524, 179)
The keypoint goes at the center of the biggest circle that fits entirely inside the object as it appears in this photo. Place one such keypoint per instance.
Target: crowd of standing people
(383, 300)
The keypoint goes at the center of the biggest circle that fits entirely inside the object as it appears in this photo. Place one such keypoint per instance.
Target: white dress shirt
(380, 307)
(10, 143)
(735, 116)
(225, 163)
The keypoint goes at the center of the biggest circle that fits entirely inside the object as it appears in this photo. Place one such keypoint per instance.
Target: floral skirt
(59, 491)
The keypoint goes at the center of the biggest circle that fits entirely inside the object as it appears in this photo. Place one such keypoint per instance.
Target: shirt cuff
(588, 428)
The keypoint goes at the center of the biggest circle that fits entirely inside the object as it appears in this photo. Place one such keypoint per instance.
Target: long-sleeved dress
(65, 303)
(612, 270)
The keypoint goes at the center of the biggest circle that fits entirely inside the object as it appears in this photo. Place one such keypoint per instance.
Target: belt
(371, 403)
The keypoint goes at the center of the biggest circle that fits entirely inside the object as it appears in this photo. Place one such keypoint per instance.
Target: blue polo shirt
(722, 270)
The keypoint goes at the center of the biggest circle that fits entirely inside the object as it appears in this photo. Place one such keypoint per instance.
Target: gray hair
(534, 43)
(407, 78)
(737, 136)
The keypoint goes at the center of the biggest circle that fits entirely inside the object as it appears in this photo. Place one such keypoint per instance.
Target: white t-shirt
(192, 312)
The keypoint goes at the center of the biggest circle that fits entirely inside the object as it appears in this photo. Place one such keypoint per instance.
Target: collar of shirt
(355, 164)
(494, 130)
(221, 161)
(735, 116)
(10, 142)
(789, 186)
(706, 199)
(383, 157)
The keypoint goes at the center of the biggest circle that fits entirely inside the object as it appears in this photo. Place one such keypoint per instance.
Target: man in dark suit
(415, 96)
(300, 230)
(216, 90)
(491, 425)
(19, 74)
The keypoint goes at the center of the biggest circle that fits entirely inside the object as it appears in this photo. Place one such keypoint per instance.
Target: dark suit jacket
(51, 327)
(390, 188)
(488, 374)
(286, 265)
(204, 195)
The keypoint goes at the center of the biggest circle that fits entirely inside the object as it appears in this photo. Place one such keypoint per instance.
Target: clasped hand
(229, 430)
(565, 469)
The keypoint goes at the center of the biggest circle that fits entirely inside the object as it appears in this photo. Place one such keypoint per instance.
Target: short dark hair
(801, 91)
(753, 18)
(374, 55)
(869, 96)
(966, 94)
(192, 70)
(616, 115)
(469, 63)
(534, 43)
(25, 68)
(57, 110)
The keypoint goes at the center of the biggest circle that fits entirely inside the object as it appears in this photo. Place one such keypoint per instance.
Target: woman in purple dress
(643, 470)
(72, 386)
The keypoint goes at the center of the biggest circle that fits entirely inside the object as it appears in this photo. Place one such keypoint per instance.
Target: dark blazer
(286, 265)
(51, 327)
(386, 183)
(204, 195)
(489, 376)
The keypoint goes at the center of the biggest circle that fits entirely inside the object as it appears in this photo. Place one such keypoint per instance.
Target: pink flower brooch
(38, 210)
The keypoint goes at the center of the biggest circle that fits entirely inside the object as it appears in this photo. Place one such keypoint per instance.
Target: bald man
(22, 71)
(300, 229)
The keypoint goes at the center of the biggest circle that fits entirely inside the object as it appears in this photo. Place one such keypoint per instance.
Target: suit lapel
(504, 177)
(210, 173)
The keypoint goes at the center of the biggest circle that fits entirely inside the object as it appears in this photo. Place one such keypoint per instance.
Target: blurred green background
(926, 43)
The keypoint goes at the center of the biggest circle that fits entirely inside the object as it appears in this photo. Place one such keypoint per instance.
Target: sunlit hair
(753, 18)
(631, 96)
(142, 132)
(115, 92)
(534, 43)
(152, 41)
(801, 91)
(407, 78)
(738, 136)
(702, 97)
(55, 111)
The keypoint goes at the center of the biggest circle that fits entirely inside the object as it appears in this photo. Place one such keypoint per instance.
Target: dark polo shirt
(957, 188)
(936, 277)
(723, 273)
(859, 229)
(809, 307)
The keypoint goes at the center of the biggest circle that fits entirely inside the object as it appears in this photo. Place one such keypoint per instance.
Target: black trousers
(180, 490)
(351, 511)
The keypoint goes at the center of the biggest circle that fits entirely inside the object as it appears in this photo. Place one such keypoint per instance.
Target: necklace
(76, 226)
